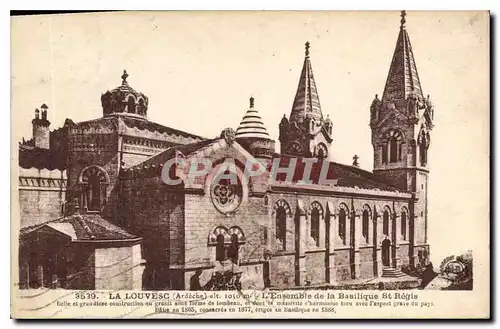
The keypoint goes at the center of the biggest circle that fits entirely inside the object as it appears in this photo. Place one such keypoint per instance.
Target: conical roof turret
(252, 125)
(306, 102)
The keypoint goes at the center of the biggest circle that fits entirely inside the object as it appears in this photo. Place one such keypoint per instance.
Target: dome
(253, 135)
(124, 100)
(251, 125)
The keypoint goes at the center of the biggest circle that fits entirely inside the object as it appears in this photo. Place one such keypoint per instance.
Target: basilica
(96, 212)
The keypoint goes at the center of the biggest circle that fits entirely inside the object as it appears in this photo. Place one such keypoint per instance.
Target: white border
(185, 5)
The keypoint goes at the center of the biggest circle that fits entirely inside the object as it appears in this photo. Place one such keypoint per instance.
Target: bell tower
(401, 123)
(306, 133)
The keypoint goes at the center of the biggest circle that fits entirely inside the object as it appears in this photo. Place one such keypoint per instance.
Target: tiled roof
(30, 157)
(84, 227)
(306, 100)
(345, 175)
(153, 126)
(161, 158)
(402, 79)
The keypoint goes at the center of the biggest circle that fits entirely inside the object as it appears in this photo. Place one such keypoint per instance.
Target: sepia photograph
(163, 160)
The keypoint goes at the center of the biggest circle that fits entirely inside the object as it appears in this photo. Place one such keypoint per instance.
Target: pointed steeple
(306, 99)
(402, 80)
(252, 125)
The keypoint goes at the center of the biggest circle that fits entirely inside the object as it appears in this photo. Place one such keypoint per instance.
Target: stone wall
(201, 218)
(315, 267)
(366, 262)
(42, 195)
(282, 270)
(149, 210)
(118, 268)
(81, 268)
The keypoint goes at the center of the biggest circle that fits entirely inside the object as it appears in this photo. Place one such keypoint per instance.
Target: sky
(200, 68)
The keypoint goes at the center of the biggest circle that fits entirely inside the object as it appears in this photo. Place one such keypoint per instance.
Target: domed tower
(253, 135)
(124, 100)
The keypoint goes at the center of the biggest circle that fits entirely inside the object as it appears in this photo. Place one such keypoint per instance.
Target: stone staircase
(389, 272)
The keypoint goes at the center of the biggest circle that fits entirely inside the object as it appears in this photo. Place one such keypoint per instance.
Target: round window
(226, 193)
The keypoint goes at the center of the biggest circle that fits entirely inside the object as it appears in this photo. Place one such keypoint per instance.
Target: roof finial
(355, 162)
(403, 19)
(124, 77)
(308, 45)
(252, 101)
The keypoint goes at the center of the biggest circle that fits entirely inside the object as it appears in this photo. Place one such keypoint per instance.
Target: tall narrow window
(342, 225)
(365, 224)
(94, 194)
(393, 150)
(131, 105)
(220, 249)
(423, 155)
(403, 225)
(393, 140)
(385, 223)
(384, 153)
(281, 227)
(94, 181)
(233, 250)
(315, 225)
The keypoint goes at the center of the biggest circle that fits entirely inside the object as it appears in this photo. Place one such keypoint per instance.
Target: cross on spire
(403, 18)
(308, 45)
(402, 80)
(124, 77)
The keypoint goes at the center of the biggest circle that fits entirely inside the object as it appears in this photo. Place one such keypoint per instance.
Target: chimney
(41, 132)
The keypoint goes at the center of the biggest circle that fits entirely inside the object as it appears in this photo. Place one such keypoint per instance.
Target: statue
(412, 105)
(374, 108)
(229, 135)
(328, 124)
(429, 109)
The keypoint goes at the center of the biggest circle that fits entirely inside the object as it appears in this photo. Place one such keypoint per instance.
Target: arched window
(141, 107)
(393, 150)
(423, 145)
(321, 151)
(281, 210)
(94, 181)
(385, 222)
(113, 106)
(233, 250)
(365, 224)
(131, 105)
(281, 226)
(226, 242)
(423, 156)
(220, 249)
(403, 225)
(342, 224)
(315, 225)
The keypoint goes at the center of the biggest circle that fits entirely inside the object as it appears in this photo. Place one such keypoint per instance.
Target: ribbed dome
(124, 100)
(251, 125)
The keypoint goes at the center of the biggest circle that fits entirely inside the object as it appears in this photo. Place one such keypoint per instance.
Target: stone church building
(97, 214)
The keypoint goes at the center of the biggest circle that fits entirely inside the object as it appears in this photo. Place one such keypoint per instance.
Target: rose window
(226, 194)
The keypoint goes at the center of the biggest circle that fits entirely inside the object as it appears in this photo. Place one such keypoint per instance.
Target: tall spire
(252, 125)
(402, 79)
(306, 99)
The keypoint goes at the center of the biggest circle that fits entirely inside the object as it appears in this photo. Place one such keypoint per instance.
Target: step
(389, 272)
